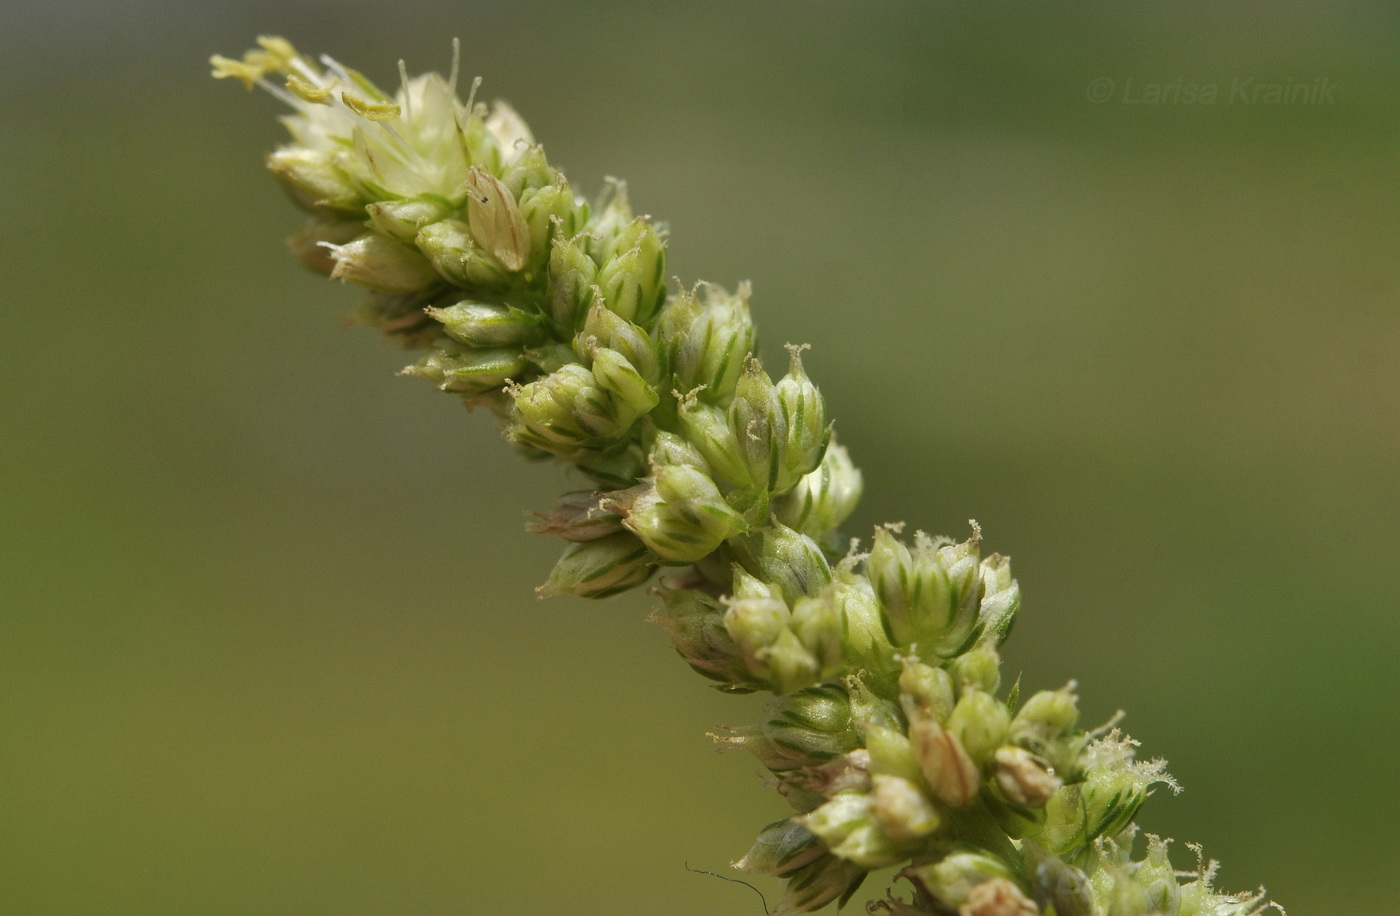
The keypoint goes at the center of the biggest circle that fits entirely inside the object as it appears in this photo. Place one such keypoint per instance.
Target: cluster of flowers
(888, 735)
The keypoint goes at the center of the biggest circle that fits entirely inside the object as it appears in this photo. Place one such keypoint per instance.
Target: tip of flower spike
(272, 55)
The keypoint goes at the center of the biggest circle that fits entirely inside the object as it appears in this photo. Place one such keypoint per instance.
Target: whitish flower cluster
(888, 735)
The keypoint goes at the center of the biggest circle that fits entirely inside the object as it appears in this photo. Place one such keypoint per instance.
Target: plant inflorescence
(891, 734)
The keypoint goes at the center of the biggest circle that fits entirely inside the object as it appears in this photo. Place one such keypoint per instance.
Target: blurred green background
(267, 638)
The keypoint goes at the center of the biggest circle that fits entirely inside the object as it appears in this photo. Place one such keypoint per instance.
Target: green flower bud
(922, 686)
(1114, 787)
(1001, 597)
(314, 182)
(633, 282)
(632, 397)
(847, 825)
(616, 468)
(584, 515)
(1046, 714)
(314, 243)
(448, 245)
(603, 328)
(596, 569)
(404, 219)
(817, 623)
(552, 213)
(1057, 883)
(980, 723)
(382, 264)
(496, 222)
(560, 411)
(793, 664)
(671, 450)
(791, 561)
(707, 428)
(758, 426)
(931, 596)
(952, 880)
(479, 324)
(755, 624)
(823, 499)
(804, 415)
(901, 808)
(707, 343)
(572, 276)
(1157, 877)
(467, 370)
(815, 725)
(979, 668)
(892, 754)
(950, 772)
(528, 170)
(820, 882)
(695, 623)
(781, 848)
(1023, 779)
(681, 516)
(865, 644)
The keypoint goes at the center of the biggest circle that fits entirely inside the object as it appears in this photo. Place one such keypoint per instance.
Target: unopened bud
(695, 623)
(902, 809)
(953, 880)
(707, 428)
(1158, 878)
(572, 275)
(557, 413)
(708, 341)
(781, 848)
(793, 665)
(817, 623)
(314, 182)
(599, 568)
(613, 469)
(404, 219)
(448, 244)
(815, 725)
(467, 370)
(848, 827)
(1023, 779)
(848, 773)
(791, 561)
(552, 213)
(804, 414)
(1001, 597)
(755, 624)
(950, 772)
(758, 426)
(603, 328)
(820, 882)
(892, 754)
(1058, 884)
(1046, 714)
(480, 324)
(682, 517)
(632, 397)
(980, 723)
(497, 224)
(633, 282)
(980, 667)
(671, 450)
(924, 686)
(823, 499)
(584, 515)
(931, 596)
(379, 263)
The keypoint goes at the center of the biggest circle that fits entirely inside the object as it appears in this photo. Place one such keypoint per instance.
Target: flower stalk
(889, 735)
